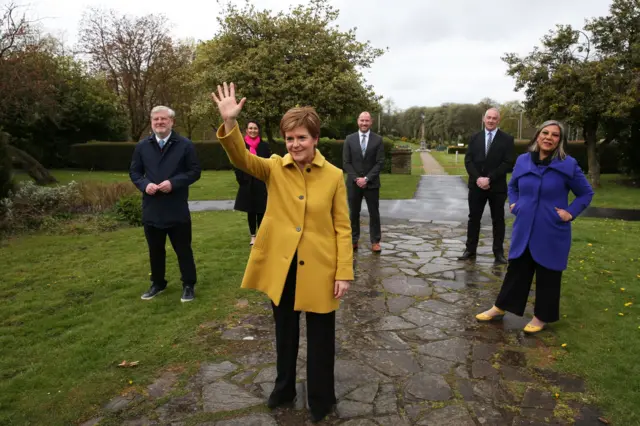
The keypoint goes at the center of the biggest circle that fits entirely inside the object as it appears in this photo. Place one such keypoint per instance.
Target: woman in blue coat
(541, 237)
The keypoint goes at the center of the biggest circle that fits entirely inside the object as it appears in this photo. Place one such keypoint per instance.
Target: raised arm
(230, 137)
(240, 157)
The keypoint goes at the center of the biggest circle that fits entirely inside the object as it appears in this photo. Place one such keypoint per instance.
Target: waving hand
(227, 105)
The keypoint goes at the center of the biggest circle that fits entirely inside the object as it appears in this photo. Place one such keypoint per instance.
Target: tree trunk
(268, 130)
(593, 157)
(6, 182)
(32, 166)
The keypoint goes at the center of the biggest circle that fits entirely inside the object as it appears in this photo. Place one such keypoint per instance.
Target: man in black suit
(363, 159)
(163, 166)
(490, 156)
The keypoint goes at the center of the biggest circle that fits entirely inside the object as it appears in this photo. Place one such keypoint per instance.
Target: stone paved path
(431, 165)
(408, 352)
(437, 197)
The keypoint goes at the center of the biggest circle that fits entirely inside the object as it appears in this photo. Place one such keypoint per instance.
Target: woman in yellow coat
(302, 257)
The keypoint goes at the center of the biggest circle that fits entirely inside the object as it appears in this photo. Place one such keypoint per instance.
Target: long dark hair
(560, 151)
(257, 124)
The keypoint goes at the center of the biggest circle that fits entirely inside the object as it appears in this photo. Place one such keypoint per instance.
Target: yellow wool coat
(306, 211)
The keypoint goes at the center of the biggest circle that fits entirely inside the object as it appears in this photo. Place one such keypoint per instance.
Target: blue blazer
(536, 191)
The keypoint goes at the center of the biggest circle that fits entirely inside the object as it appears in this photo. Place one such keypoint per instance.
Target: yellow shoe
(533, 329)
(482, 317)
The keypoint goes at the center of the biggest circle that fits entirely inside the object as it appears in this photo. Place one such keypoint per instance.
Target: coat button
(302, 262)
(309, 170)
(298, 229)
(301, 197)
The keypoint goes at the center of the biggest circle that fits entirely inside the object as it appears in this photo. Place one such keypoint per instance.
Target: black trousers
(517, 284)
(477, 200)
(372, 197)
(321, 338)
(254, 219)
(180, 237)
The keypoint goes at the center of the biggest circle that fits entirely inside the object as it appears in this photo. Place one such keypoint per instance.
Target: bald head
(364, 121)
(491, 118)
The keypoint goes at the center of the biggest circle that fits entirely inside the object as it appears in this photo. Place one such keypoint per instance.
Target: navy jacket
(176, 162)
(536, 191)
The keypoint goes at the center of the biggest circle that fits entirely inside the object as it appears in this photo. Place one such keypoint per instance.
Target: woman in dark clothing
(252, 193)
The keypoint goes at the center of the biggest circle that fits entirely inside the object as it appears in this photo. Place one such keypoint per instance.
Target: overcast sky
(439, 51)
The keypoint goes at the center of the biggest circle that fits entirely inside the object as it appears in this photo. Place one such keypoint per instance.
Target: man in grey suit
(363, 159)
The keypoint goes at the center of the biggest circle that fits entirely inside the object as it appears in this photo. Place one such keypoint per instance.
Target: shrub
(129, 209)
(32, 206)
(96, 197)
(117, 155)
(458, 149)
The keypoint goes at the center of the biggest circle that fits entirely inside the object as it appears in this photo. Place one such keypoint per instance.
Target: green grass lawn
(416, 164)
(71, 311)
(221, 184)
(448, 162)
(612, 192)
(603, 346)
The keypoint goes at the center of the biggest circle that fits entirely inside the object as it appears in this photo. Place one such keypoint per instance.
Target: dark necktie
(489, 140)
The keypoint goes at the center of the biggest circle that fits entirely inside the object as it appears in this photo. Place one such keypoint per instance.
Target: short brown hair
(306, 117)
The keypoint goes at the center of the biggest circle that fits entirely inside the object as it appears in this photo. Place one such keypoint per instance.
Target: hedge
(609, 159)
(96, 155)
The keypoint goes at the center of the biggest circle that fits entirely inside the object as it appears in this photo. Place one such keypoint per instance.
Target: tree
(183, 91)
(617, 38)
(561, 81)
(135, 56)
(282, 60)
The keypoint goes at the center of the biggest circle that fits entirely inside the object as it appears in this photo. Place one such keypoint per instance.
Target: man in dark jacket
(490, 156)
(163, 167)
(362, 160)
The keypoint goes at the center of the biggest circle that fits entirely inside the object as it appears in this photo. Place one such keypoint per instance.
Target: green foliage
(279, 61)
(458, 149)
(32, 206)
(117, 155)
(51, 102)
(589, 79)
(129, 209)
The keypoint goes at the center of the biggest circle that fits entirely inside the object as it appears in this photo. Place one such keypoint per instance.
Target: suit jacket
(176, 162)
(495, 165)
(306, 213)
(252, 192)
(368, 166)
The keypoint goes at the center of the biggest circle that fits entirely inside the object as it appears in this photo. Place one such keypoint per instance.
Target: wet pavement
(437, 197)
(409, 352)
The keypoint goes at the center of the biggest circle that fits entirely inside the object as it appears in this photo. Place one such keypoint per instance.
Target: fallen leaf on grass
(603, 420)
(128, 364)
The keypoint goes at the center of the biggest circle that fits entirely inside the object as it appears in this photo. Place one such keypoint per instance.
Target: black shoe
(153, 291)
(275, 401)
(318, 414)
(501, 259)
(188, 294)
(467, 255)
